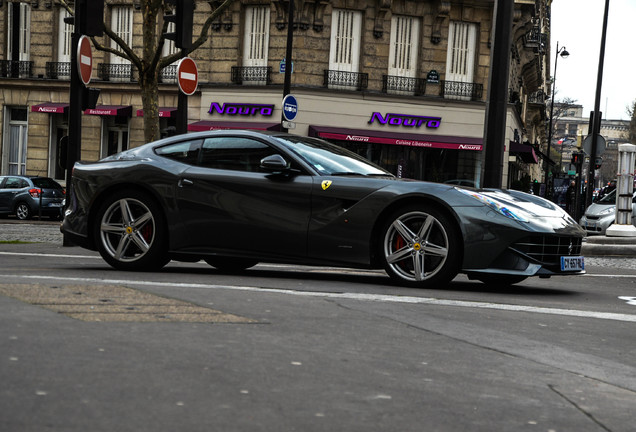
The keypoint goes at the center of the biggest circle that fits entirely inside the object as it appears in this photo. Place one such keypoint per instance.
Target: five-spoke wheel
(130, 232)
(421, 247)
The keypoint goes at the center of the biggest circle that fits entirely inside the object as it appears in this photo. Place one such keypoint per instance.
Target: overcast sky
(577, 25)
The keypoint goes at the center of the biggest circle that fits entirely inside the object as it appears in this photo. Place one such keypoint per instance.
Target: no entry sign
(187, 76)
(85, 59)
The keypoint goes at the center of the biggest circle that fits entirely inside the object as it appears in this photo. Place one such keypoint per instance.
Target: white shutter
(121, 23)
(256, 37)
(404, 46)
(344, 52)
(64, 38)
(23, 32)
(460, 60)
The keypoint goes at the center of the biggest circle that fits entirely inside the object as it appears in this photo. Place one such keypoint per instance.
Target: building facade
(401, 82)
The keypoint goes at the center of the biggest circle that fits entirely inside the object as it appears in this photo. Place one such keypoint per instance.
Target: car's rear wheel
(130, 232)
(230, 265)
(421, 247)
(23, 211)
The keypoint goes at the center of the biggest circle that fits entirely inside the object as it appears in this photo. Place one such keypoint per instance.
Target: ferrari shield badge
(326, 184)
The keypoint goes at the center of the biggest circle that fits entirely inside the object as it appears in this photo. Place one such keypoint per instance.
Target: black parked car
(236, 198)
(28, 196)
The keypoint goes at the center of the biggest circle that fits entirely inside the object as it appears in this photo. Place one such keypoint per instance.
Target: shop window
(115, 138)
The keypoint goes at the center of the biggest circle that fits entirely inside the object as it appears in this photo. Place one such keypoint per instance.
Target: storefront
(423, 140)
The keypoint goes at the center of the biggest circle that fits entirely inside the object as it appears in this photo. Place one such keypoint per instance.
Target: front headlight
(607, 211)
(494, 205)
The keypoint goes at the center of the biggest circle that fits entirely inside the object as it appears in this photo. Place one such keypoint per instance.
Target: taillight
(35, 193)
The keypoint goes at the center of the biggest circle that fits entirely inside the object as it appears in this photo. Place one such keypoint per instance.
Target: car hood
(526, 203)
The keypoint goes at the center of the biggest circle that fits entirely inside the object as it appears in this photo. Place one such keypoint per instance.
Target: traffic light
(575, 158)
(598, 162)
(182, 19)
(90, 18)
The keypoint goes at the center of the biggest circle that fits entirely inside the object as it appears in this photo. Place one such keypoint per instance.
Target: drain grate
(113, 303)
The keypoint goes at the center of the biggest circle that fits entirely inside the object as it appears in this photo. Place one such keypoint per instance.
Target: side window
(186, 152)
(15, 183)
(234, 153)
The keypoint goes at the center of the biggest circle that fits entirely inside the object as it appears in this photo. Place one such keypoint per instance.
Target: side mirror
(275, 163)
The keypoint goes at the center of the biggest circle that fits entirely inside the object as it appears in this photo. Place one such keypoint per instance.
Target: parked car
(28, 196)
(601, 214)
(237, 198)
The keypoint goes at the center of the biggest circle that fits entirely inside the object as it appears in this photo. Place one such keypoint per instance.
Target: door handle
(185, 182)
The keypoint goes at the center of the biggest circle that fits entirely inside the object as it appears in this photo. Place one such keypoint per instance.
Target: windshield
(330, 159)
(610, 198)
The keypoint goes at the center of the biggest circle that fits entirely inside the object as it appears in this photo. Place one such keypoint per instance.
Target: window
(345, 40)
(186, 152)
(122, 25)
(18, 39)
(256, 41)
(115, 138)
(64, 38)
(15, 183)
(460, 59)
(14, 157)
(404, 46)
(234, 153)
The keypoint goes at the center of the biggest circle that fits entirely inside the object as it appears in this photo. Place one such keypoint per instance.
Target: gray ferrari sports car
(237, 198)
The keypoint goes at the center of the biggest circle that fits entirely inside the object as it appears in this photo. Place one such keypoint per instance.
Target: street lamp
(564, 53)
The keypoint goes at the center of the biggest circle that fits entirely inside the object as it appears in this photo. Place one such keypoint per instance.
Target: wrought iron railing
(115, 72)
(260, 75)
(58, 70)
(461, 90)
(168, 74)
(394, 84)
(16, 69)
(535, 40)
(346, 80)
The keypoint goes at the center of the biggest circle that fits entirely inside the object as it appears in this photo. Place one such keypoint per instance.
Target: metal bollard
(622, 226)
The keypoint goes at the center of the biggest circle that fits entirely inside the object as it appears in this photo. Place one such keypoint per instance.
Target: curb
(609, 246)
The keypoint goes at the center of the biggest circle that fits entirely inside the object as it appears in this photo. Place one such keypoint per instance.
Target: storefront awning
(164, 112)
(207, 125)
(110, 110)
(51, 108)
(525, 152)
(397, 138)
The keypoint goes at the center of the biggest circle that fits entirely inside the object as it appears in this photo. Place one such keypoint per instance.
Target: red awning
(206, 125)
(51, 108)
(163, 112)
(525, 152)
(110, 110)
(397, 138)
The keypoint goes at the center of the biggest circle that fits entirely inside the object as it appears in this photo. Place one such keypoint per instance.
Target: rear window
(46, 183)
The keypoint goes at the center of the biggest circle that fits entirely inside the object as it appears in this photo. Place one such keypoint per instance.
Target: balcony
(537, 98)
(58, 70)
(168, 75)
(255, 75)
(461, 90)
(399, 85)
(535, 40)
(340, 80)
(16, 69)
(115, 72)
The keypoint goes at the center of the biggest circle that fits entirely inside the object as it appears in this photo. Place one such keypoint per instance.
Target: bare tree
(150, 61)
(560, 110)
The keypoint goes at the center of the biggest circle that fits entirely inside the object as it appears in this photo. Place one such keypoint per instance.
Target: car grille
(548, 249)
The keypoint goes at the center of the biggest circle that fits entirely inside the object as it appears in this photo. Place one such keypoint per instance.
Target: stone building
(402, 82)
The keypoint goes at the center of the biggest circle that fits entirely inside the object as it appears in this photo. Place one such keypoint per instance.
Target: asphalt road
(86, 348)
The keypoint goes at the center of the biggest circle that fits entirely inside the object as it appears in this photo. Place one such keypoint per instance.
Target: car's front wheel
(23, 211)
(130, 232)
(421, 247)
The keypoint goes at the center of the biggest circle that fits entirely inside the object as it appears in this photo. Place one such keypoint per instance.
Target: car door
(4, 196)
(229, 205)
(9, 191)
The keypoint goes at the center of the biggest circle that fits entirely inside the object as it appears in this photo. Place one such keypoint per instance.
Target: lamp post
(564, 53)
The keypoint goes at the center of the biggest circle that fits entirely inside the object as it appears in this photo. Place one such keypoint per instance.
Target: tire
(421, 247)
(230, 265)
(131, 233)
(500, 280)
(23, 211)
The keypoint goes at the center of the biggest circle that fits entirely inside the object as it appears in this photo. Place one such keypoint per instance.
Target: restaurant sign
(406, 120)
(242, 109)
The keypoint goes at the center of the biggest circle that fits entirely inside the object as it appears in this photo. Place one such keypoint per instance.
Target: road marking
(352, 296)
(50, 255)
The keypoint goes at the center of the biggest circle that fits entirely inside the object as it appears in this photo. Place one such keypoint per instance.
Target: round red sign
(187, 76)
(84, 59)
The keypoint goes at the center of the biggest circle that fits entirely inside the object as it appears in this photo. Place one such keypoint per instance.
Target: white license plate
(571, 264)
(591, 225)
(55, 205)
